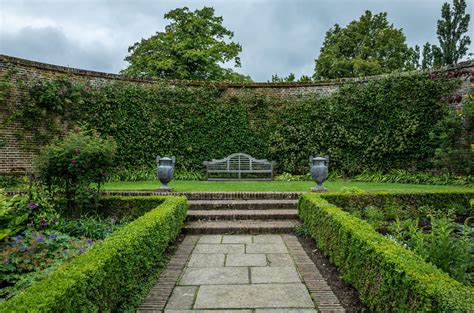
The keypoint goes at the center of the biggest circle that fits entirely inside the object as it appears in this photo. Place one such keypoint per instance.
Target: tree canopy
(193, 46)
(368, 46)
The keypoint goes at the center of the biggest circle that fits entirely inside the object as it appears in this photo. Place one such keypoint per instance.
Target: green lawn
(301, 186)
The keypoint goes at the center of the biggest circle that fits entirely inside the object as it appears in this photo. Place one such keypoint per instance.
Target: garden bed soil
(346, 294)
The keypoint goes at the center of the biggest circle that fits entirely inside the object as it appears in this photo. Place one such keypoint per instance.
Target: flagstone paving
(245, 273)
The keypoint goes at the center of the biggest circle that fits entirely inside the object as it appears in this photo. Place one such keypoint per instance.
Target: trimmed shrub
(111, 275)
(457, 200)
(387, 276)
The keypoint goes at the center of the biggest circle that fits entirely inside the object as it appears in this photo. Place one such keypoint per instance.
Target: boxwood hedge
(110, 276)
(387, 276)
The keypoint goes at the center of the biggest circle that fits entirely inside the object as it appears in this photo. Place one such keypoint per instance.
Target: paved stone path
(245, 273)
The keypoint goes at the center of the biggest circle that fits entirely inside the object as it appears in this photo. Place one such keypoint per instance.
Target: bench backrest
(239, 162)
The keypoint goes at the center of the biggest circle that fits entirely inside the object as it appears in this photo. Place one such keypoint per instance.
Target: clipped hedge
(458, 200)
(130, 206)
(387, 276)
(110, 276)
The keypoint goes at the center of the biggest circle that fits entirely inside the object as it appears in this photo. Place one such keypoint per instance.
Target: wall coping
(89, 73)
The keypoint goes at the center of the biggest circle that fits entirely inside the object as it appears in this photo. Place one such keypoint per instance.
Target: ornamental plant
(75, 166)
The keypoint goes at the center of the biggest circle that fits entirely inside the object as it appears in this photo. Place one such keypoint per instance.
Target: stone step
(217, 215)
(242, 204)
(241, 227)
(215, 195)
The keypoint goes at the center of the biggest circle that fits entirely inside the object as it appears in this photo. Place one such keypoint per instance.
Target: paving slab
(266, 248)
(286, 310)
(213, 276)
(207, 260)
(219, 248)
(262, 275)
(182, 297)
(237, 239)
(207, 311)
(280, 260)
(253, 296)
(246, 260)
(210, 239)
(267, 239)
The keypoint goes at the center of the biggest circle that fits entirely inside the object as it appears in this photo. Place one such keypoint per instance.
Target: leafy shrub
(12, 181)
(408, 177)
(73, 163)
(110, 276)
(446, 244)
(17, 212)
(29, 256)
(90, 226)
(387, 276)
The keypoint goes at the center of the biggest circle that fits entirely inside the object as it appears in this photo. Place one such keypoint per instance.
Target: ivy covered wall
(398, 121)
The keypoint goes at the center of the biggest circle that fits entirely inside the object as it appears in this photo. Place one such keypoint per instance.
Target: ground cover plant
(442, 235)
(387, 275)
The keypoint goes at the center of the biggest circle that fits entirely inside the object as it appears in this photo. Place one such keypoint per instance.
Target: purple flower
(73, 162)
(18, 237)
(6, 261)
(23, 248)
(52, 236)
(113, 220)
(40, 239)
(43, 223)
(89, 241)
(32, 205)
(77, 151)
(54, 221)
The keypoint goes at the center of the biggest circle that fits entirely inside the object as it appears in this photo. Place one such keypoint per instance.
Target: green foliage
(90, 226)
(110, 276)
(17, 212)
(409, 177)
(12, 181)
(31, 255)
(387, 276)
(201, 123)
(450, 30)
(76, 161)
(369, 46)
(149, 173)
(127, 206)
(444, 243)
(410, 203)
(191, 47)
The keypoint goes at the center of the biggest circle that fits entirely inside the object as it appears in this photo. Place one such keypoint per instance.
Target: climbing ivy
(383, 124)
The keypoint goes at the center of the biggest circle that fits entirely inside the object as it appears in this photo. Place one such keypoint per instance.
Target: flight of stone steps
(246, 212)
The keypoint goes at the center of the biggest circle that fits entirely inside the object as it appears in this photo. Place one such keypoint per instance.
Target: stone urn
(319, 172)
(165, 170)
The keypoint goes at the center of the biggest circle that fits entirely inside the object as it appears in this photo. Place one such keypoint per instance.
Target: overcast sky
(276, 36)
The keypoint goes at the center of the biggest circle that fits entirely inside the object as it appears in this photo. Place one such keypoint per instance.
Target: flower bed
(387, 276)
(110, 275)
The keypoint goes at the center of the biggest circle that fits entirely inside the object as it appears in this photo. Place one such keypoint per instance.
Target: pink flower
(73, 162)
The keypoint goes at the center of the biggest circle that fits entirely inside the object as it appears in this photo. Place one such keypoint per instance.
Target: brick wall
(16, 157)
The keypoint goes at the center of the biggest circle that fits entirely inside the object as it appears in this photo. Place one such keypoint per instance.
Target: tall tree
(193, 46)
(427, 55)
(368, 46)
(454, 23)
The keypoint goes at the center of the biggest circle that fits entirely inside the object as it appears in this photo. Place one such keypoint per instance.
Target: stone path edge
(321, 293)
(161, 292)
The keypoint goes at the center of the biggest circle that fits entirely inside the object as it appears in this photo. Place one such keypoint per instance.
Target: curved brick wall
(14, 158)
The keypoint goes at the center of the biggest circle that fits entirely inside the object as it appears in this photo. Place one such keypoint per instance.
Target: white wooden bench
(239, 166)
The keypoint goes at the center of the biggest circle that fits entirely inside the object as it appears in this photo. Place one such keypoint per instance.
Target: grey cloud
(276, 36)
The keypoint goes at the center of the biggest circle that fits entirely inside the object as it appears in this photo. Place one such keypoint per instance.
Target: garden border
(387, 276)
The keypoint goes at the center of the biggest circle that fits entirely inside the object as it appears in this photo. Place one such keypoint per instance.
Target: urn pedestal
(319, 172)
(165, 171)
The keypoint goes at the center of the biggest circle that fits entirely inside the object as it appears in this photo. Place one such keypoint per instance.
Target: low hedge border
(387, 276)
(458, 200)
(111, 275)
